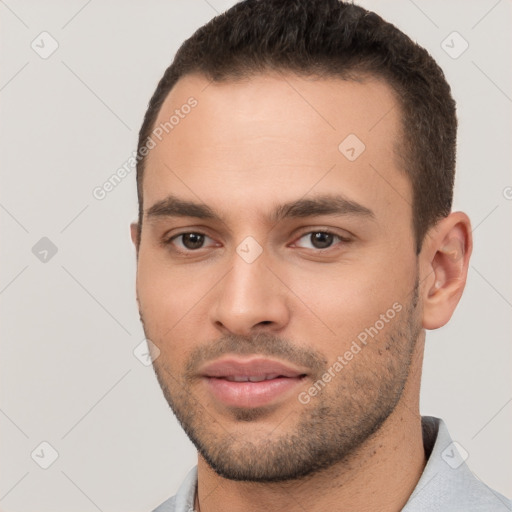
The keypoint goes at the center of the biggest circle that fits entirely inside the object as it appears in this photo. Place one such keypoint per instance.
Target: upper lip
(253, 367)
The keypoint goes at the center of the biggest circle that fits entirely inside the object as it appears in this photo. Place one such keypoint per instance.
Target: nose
(249, 299)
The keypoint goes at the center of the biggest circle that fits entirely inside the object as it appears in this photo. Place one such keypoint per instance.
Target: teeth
(255, 378)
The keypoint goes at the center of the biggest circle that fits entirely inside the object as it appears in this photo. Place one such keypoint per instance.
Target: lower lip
(251, 394)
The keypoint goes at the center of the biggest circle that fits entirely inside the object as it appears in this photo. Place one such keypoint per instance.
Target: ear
(444, 261)
(134, 233)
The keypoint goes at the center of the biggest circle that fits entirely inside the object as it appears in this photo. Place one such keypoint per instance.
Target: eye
(191, 241)
(318, 240)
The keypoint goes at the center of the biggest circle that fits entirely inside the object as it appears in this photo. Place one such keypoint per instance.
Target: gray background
(70, 322)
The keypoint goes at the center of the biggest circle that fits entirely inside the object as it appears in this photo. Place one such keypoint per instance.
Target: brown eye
(189, 241)
(318, 240)
(192, 240)
(321, 240)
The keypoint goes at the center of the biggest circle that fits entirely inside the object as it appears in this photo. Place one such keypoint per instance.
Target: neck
(380, 475)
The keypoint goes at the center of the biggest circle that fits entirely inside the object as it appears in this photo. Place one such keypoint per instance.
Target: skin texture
(246, 148)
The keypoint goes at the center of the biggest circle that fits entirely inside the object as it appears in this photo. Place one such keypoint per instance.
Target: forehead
(278, 136)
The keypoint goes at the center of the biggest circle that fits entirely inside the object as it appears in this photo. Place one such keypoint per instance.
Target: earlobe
(448, 252)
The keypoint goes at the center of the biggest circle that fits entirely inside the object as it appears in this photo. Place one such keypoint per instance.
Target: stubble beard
(324, 432)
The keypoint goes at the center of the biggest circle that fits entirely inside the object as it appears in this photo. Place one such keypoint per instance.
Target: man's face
(270, 257)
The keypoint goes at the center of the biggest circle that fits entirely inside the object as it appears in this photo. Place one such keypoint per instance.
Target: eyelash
(341, 239)
(345, 240)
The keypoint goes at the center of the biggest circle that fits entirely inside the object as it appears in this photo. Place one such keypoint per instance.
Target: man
(295, 240)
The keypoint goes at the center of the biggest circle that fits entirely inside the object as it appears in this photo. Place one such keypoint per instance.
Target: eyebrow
(173, 206)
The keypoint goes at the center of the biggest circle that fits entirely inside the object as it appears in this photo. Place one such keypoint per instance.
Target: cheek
(172, 300)
(339, 303)
(166, 291)
(163, 296)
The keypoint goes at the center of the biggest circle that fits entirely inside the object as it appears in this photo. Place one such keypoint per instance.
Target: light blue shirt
(446, 485)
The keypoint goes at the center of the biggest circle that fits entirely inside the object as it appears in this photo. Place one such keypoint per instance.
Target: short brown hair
(331, 38)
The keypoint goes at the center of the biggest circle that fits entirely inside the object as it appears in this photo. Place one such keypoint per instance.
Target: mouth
(251, 378)
(250, 383)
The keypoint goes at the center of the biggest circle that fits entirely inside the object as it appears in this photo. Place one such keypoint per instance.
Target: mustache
(260, 344)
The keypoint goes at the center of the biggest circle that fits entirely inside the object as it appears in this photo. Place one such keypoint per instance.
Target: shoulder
(447, 484)
(183, 501)
(167, 506)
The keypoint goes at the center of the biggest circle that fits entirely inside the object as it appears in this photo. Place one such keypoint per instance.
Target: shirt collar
(445, 484)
